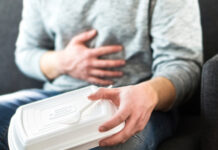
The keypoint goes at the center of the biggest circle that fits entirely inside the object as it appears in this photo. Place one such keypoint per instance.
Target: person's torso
(123, 22)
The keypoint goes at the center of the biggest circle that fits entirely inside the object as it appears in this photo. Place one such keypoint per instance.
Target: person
(149, 50)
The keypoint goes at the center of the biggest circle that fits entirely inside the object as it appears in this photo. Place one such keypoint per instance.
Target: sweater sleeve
(177, 45)
(33, 41)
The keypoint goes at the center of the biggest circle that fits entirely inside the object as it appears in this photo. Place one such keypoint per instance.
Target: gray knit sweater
(174, 50)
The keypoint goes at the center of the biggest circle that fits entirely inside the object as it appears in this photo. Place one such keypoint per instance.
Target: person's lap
(160, 126)
(10, 102)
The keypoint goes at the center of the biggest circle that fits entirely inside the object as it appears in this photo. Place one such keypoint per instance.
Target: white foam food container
(65, 122)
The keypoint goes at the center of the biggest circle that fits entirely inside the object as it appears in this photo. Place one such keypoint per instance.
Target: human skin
(135, 103)
(81, 62)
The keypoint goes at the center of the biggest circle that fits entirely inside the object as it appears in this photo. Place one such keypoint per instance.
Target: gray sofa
(210, 105)
(11, 79)
(209, 92)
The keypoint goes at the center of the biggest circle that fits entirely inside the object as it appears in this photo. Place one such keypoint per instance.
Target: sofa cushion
(187, 136)
(209, 19)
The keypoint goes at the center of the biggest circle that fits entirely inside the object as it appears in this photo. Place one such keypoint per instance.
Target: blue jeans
(160, 126)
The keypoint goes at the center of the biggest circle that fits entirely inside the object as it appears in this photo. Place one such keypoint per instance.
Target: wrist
(151, 91)
(59, 65)
(50, 65)
(164, 91)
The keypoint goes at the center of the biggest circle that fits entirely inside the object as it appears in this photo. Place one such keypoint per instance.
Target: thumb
(103, 93)
(85, 36)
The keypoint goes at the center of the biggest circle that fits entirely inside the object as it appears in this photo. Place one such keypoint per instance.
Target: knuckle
(121, 62)
(125, 136)
(85, 35)
(89, 79)
(103, 63)
(121, 117)
(87, 63)
(123, 141)
(101, 74)
(90, 62)
(117, 63)
(109, 74)
(97, 52)
(93, 81)
(87, 54)
(92, 53)
(88, 71)
(101, 90)
(112, 63)
(112, 143)
(138, 114)
(140, 128)
(117, 73)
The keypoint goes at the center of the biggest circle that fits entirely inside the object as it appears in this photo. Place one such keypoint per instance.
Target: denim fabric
(209, 104)
(160, 126)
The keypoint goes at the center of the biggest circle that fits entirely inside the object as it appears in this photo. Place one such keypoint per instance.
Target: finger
(140, 123)
(144, 121)
(85, 36)
(99, 81)
(107, 63)
(123, 135)
(121, 115)
(104, 73)
(105, 50)
(104, 93)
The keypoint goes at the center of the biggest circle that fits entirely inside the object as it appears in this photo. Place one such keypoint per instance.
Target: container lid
(61, 122)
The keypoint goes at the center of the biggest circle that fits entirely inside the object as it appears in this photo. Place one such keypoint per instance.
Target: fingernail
(124, 62)
(93, 31)
(121, 73)
(91, 96)
(102, 129)
(102, 144)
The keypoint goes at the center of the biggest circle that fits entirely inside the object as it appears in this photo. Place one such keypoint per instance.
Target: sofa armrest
(209, 104)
